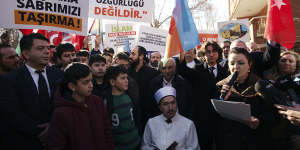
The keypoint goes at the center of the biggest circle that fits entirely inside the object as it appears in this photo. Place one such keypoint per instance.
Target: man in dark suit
(26, 94)
(169, 77)
(203, 88)
(213, 54)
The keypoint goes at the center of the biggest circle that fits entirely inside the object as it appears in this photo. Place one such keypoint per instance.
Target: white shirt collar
(215, 71)
(35, 77)
(166, 83)
(191, 64)
(32, 70)
(173, 119)
(215, 66)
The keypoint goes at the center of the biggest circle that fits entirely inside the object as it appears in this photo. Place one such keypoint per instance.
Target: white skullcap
(163, 92)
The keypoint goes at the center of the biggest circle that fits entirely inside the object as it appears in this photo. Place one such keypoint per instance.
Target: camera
(286, 82)
(290, 86)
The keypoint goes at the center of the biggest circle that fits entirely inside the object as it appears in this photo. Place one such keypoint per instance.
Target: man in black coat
(203, 88)
(169, 77)
(26, 94)
(142, 74)
(213, 55)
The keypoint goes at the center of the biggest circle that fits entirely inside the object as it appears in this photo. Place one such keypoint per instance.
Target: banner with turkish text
(116, 35)
(126, 10)
(66, 16)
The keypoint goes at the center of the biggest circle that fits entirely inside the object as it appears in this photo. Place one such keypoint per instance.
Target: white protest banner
(116, 35)
(126, 10)
(67, 16)
(234, 30)
(152, 39)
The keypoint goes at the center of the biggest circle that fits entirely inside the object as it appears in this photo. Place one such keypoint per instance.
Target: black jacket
(203, 88)
(238, 136)
(143, 78)
(222, 71)
(264, 61)
(182, 95)
(20, 105)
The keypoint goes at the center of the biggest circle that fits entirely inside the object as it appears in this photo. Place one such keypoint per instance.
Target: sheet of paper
(237, 111)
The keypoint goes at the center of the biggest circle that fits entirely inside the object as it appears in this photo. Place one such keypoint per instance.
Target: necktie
(169, 121)
(43, 88)
(211, 70)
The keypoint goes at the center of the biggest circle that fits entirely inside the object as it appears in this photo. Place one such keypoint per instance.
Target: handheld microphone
(231, 81)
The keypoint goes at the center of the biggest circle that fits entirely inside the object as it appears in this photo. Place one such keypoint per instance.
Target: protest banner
(57, 15)
(126, 10)
(116, 35)
(207, 36)
(152, 39)
(234, 30)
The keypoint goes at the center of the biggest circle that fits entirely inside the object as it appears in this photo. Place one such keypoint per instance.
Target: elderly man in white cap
(170, 130)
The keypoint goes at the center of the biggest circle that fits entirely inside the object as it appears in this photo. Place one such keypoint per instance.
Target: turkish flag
(54, 37)
(280, 24)
(78, 41)
(26, 31)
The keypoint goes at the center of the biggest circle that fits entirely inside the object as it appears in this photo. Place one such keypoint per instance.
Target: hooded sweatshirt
(79, 126)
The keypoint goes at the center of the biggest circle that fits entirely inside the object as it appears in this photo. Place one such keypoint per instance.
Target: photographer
(285, 78)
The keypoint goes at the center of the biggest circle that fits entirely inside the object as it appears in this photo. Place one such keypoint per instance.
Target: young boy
(80, 120)
(108, 58)
(83, 56)
(65, 54)
(97, 64)
(122, 110)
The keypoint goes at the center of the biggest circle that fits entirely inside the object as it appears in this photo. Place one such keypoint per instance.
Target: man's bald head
(239, 44)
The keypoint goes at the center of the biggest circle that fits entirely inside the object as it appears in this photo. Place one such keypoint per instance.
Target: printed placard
(60, 15)
(126, 10)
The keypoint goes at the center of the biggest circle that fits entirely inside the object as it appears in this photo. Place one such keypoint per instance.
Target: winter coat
(79, 126)
(234, 135)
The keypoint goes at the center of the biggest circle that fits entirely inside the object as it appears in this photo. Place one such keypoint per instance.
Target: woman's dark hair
(73, 73)
(243, 51)
(114, 71)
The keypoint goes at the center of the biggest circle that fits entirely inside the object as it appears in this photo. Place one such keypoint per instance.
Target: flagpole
(117, 42)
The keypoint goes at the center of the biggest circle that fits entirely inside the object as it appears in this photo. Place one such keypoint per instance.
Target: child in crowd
(122, 110)
(80, 120)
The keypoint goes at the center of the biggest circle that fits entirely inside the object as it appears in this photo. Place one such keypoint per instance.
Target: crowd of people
(63, 99)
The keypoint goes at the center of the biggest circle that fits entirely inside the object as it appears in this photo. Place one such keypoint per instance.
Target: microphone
(268, 92)
(231, 81)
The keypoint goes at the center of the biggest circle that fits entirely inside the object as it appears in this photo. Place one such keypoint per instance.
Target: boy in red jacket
(80, 120)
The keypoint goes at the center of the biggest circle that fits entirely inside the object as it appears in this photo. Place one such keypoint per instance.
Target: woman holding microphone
(255, 134)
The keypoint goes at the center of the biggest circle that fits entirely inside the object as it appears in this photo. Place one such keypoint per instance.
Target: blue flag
(186, 27)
